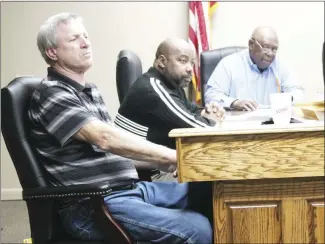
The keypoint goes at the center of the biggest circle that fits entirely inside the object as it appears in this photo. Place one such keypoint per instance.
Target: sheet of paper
(261, 106)
(257, 115)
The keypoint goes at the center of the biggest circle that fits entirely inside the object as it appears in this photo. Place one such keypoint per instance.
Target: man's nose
(85, 43)
(270, 54)
(189, 68)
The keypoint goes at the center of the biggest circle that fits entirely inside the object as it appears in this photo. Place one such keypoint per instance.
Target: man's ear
(51, 53)
(250, 44)
(162, 61)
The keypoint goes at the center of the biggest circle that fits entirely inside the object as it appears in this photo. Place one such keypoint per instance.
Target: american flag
(200, 15)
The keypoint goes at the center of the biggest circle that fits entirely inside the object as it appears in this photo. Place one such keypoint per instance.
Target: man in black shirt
(156, 103)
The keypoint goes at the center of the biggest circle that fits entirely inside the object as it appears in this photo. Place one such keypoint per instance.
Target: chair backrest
(128, 69)
(15, 128)
(209, 60)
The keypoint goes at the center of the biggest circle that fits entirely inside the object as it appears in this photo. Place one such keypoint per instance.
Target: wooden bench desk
(268, 179)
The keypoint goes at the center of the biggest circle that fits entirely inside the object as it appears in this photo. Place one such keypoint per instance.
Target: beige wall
(140, 27)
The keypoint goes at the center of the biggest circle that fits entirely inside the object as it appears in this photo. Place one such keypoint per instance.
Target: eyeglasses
(265, 48)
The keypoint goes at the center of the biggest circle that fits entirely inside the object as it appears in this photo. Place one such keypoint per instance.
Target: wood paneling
(255, 156)
(294, 221)
(255, 223)
(269, 211)
(274, 189)
(316, 221)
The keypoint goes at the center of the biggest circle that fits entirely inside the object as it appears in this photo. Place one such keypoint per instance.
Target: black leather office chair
(128, 69)
(41, 197)
(209, 60)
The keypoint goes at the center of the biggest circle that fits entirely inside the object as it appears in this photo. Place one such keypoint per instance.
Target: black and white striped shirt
(153, 107)
(59, 108)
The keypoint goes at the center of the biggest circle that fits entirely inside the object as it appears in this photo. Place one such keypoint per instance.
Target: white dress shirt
(237, 77)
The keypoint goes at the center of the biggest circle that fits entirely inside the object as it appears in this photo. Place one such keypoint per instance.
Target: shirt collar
(55, 75)
(249, 59)
(153, 71)
(254, 66)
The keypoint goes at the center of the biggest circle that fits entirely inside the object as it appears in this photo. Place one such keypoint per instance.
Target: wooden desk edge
(263, 129)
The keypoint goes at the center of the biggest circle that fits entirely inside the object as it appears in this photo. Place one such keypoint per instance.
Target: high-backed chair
(128, 69)
(40, 195)
(209, 60)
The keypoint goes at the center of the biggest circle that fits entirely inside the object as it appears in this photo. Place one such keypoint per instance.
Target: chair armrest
(82, 190)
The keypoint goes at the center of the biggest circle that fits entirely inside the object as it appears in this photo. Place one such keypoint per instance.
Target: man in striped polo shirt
(74, 138)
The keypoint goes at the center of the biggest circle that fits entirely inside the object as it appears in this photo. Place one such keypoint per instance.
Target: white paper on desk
(261, 106)
(259, 114)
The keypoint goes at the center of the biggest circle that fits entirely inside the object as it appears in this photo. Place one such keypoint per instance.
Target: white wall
(299, 25)
(141, 26)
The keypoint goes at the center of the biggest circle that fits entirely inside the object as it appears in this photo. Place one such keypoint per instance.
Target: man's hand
(214, 111)
(245, 105)
(175, 174)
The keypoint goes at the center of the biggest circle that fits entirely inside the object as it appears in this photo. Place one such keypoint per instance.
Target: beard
(184, 81)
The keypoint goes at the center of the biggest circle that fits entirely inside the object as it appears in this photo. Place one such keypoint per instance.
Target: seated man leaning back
(244, 80)
(78, 144)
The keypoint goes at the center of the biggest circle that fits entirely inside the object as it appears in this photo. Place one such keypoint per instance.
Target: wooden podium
(268, 180)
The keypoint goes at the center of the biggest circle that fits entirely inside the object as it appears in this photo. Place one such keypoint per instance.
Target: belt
(129, 186)
(69, 201)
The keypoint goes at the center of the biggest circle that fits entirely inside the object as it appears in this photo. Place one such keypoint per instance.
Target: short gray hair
(46, 37)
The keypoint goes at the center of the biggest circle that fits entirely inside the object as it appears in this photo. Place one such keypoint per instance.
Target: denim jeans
(160, 212)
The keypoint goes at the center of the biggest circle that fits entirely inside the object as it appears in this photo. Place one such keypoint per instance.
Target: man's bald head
(263, 46)
(170, 46)
(264, 32)
(175, 59)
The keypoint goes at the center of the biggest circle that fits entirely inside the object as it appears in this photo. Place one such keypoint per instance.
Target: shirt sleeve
(290, 85)
(61, 113)
(194, 108)
(218, 86)
(174, 112)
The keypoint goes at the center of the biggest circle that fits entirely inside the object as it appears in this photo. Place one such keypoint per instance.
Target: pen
(278, 85)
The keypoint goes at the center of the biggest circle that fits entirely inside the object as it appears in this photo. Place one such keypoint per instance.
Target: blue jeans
(154, 211)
